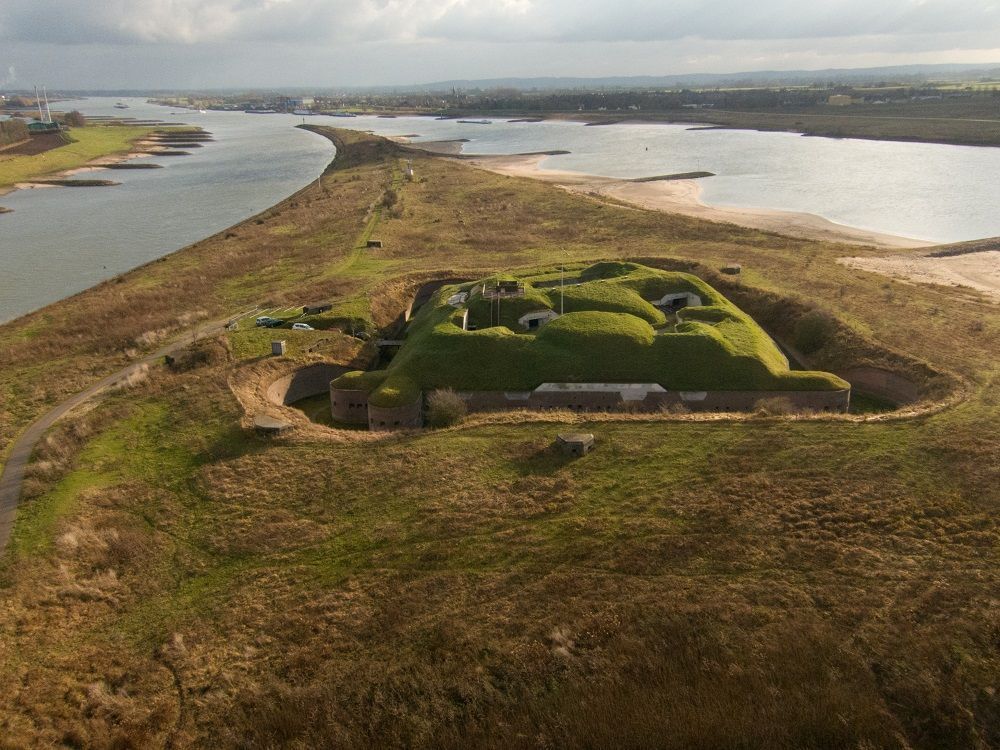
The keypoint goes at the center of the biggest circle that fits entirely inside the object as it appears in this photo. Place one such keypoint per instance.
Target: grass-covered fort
(611, 335)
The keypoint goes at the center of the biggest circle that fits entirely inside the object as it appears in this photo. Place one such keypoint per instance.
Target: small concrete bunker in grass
(575, 443)
(610, 337)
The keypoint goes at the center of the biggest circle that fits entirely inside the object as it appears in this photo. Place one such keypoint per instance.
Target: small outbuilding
(732, 269)
(374, 243)
(277, 348)
(575, 443)
(316, 309)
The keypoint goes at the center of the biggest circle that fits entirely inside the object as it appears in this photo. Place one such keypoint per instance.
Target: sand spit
(451, 147)
(72, 183)
(683, 196)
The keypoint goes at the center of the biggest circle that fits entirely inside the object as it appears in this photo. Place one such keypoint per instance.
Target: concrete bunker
(504, 344)
(536, 319)
(575, 443)
(677, 300)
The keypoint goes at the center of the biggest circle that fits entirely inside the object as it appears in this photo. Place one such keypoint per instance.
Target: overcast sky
(239, 43)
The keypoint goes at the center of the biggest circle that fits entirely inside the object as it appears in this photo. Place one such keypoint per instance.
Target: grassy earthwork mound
(610, 332)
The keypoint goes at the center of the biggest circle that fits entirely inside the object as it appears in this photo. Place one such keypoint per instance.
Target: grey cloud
(649, 20)
(511, 21)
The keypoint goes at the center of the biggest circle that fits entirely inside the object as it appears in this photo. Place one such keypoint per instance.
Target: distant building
(840, 100)
(316, 309)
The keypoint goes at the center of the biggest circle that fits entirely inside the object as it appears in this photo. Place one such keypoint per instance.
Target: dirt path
(19, 456)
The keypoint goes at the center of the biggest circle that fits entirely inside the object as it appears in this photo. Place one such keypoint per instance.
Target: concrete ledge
(268, 425)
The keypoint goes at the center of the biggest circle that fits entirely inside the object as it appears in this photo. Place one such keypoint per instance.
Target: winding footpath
(19, 456)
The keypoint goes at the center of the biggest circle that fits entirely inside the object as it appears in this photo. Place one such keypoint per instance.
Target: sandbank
(684, 197)
(977, 270)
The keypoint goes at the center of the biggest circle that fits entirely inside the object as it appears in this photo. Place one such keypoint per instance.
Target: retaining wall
(881, 383)
(311, 380)
(352, 406)
(718, 401)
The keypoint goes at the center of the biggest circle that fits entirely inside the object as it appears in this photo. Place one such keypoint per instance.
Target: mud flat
(72, 183)
(129, 165)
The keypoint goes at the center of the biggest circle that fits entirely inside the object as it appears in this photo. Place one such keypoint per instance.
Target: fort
(610, 337)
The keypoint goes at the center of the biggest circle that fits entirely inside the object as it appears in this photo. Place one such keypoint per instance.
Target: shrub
(200, 354)
(813, 330)
(445, 408)
(75, 119)
(12, 131)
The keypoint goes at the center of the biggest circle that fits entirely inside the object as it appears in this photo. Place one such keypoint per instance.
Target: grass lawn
(87, 143)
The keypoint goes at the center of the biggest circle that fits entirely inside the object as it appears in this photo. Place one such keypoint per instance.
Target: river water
(60, 241)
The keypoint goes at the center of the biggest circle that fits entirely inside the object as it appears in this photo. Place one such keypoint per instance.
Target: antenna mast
(38, 103)
(48, 112)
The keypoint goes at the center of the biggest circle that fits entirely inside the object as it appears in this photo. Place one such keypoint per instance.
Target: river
(61, 241)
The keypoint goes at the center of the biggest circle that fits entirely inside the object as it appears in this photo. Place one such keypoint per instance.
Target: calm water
(921, 190)
(60, 241)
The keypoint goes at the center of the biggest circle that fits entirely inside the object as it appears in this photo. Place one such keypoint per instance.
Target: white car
(302, 327)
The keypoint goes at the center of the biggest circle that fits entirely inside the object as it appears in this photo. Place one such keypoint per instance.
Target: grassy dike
(82, 147)
(174, 581)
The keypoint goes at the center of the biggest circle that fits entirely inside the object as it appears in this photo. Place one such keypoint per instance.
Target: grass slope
(176, 582)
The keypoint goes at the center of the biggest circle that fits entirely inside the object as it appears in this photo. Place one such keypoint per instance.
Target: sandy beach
(976, 270)
(979, 271)
(684, 197)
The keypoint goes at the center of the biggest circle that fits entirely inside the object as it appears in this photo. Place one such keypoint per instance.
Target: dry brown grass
(697, 582)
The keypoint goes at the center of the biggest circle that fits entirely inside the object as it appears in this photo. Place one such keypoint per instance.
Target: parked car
(302, 327)
(274, 323)
(266, 321)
